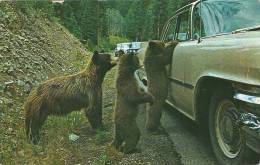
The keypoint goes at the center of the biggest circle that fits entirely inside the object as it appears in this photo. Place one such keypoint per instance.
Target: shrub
(113, 40)
(36, 7)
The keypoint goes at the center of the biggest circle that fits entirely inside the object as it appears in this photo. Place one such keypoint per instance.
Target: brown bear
(62, 95)
(129, 96)
(157, 56)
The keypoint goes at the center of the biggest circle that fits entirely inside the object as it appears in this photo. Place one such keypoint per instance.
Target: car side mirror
(196, 36)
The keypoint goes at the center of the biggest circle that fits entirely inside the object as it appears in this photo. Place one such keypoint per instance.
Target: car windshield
(224, 16)
(122, 46)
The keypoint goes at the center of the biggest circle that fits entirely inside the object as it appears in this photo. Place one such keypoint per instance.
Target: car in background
(214, 76)
(127, 47)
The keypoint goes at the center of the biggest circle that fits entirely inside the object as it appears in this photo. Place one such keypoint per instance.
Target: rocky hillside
(32, 49)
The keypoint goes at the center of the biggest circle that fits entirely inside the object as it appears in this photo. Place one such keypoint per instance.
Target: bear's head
(103, 61)
(155, 48)
(129, 63)
(169, 47)
(120, 53)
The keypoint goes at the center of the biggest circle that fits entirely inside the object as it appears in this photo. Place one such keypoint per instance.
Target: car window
(182, 33)
(198, 25)
(171, 28)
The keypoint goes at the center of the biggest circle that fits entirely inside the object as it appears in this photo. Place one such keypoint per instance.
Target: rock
(21, 153)
(20, 83)
(10, 104)
(23, 34)
(73, 137)
(10, 88)
(1, 106)
(9, 82)
(27, 88)
(20, 37)
(10, 71)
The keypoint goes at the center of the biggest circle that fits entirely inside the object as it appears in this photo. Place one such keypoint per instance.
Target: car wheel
(228, 141)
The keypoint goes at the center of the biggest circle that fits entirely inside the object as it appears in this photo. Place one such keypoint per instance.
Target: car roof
(186, 7)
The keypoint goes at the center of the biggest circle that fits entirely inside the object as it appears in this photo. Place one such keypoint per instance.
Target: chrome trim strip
(247, 98)
(179, 82)
(178, 109)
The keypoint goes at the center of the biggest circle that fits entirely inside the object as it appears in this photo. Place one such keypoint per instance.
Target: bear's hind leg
(34, 123)
(131, 140)
(154, 113)
(94, 111)
(119, 138)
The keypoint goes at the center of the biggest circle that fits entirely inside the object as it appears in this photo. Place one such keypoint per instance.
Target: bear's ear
(173, 43)
(152, 44)
(130, 55)
(95, 52)
(95, 57)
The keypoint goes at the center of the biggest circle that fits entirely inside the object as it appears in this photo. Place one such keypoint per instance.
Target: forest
(104, 23)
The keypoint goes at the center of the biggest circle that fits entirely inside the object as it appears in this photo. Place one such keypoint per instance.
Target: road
(193, 145)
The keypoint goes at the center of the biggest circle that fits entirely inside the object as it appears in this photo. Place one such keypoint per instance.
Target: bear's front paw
(151, 99)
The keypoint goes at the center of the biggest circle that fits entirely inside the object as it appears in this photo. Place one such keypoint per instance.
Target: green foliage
(102, 160)
(75, 119)
(87, 20)
(95, 21)
(103, 136)
(69, 20)
(26, 6)
(36, 7)
(113, 40)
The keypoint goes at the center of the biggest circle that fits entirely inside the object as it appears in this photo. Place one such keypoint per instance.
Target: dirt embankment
(32, 49)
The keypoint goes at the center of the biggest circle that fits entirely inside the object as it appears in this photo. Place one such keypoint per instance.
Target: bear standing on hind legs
(62, 95)
(129, 96)
(157, 56)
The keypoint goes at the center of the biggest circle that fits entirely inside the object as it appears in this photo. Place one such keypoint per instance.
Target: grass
(102, 160)
(103, 136)
(55, 147)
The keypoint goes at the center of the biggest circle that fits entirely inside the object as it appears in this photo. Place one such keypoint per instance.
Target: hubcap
(228, 134)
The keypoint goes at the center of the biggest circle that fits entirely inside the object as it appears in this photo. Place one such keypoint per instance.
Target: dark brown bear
(129, 96)
(157, 56)
(62, 95)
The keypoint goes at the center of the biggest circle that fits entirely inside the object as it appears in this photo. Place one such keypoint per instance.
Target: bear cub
(129, 96)
(157, 56)
(62, 95)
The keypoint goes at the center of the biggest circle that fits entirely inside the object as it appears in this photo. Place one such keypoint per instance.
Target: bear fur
(62, 95)
(157, 56)
(129, 96)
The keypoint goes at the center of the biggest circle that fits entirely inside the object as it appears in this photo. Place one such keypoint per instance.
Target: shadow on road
(191, 141)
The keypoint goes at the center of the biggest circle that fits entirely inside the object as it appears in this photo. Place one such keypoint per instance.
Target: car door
(178, 95)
